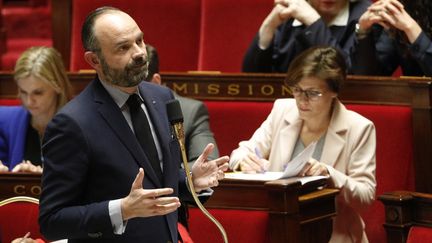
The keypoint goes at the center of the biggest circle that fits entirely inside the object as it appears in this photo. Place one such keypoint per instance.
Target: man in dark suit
(94, 188)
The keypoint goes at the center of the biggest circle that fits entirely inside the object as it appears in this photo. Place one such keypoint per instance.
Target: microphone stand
(176, 118)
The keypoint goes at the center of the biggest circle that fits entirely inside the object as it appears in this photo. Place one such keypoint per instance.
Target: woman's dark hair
(322, 62)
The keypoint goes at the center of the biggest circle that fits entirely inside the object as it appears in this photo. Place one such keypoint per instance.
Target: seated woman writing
(43, 88)
(345, 141)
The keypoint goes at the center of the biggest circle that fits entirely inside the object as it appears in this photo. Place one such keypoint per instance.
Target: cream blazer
(348, 152)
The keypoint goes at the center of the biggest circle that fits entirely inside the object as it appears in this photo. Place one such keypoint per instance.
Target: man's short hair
(88, 38)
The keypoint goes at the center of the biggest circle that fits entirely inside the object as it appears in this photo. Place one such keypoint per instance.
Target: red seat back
(171, 26)
(19, 215)
(419, 234)
(232, 122)
(240, 226)
(227, 29)
(394, 159)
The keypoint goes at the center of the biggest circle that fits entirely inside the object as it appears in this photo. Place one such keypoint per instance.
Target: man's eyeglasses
(312, 95)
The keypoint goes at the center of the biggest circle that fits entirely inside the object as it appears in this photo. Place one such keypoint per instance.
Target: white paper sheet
(270, 176)
(292, 169)
(266, 176)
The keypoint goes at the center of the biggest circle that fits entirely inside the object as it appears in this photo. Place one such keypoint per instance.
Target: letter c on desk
(19, 189)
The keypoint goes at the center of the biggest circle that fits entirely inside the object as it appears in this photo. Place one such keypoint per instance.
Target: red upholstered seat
(394, 156)
(232, 122)
(419, 234)
(227, 29)
(172, 26)
(19, 215)
(240, 226)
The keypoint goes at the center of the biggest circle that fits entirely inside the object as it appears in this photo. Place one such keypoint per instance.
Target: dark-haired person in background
(394, 33)
(102, 181)
(295, 25)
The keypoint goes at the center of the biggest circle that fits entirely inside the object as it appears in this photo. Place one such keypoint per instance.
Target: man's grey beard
(133, 74)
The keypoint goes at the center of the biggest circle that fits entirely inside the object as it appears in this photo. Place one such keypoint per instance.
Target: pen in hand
(23, 239)
(264, 165)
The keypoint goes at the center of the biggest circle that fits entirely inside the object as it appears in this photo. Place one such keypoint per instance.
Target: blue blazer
(14, 122)
(91, 156)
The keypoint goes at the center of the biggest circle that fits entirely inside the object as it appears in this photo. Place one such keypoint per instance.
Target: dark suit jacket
(92, 156)
(381, 54)
(289, 41)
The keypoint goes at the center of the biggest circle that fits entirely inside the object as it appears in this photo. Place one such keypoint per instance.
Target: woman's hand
(390, 14)
(298, 9)
(27, 166)
(253, 164)
(281, 12)
(314, 168)
(26, 240)
(3, 168)
(396, 16)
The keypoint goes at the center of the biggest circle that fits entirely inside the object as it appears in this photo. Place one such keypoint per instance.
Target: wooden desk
(19, 184)
(404, 209)
(293, 216)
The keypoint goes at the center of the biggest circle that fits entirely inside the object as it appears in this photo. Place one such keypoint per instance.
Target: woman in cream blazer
(346, 152)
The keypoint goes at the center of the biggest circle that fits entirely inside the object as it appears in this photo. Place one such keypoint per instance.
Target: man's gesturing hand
(147, 202)
(206, 174)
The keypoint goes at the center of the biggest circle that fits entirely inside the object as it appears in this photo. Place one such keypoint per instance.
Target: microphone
(175, 116)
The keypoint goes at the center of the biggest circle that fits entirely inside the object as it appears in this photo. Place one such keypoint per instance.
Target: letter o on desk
(35, 190)
(267, 89)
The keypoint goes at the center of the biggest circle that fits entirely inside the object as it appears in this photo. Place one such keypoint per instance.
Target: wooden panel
(268, 87)
(19, 184)
(403, 210)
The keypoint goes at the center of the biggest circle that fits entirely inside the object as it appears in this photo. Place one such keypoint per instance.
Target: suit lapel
(289, 135)
(112, 115)
(335, 139)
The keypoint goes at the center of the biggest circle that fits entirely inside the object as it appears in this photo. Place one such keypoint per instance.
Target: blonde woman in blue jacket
(43, 88)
